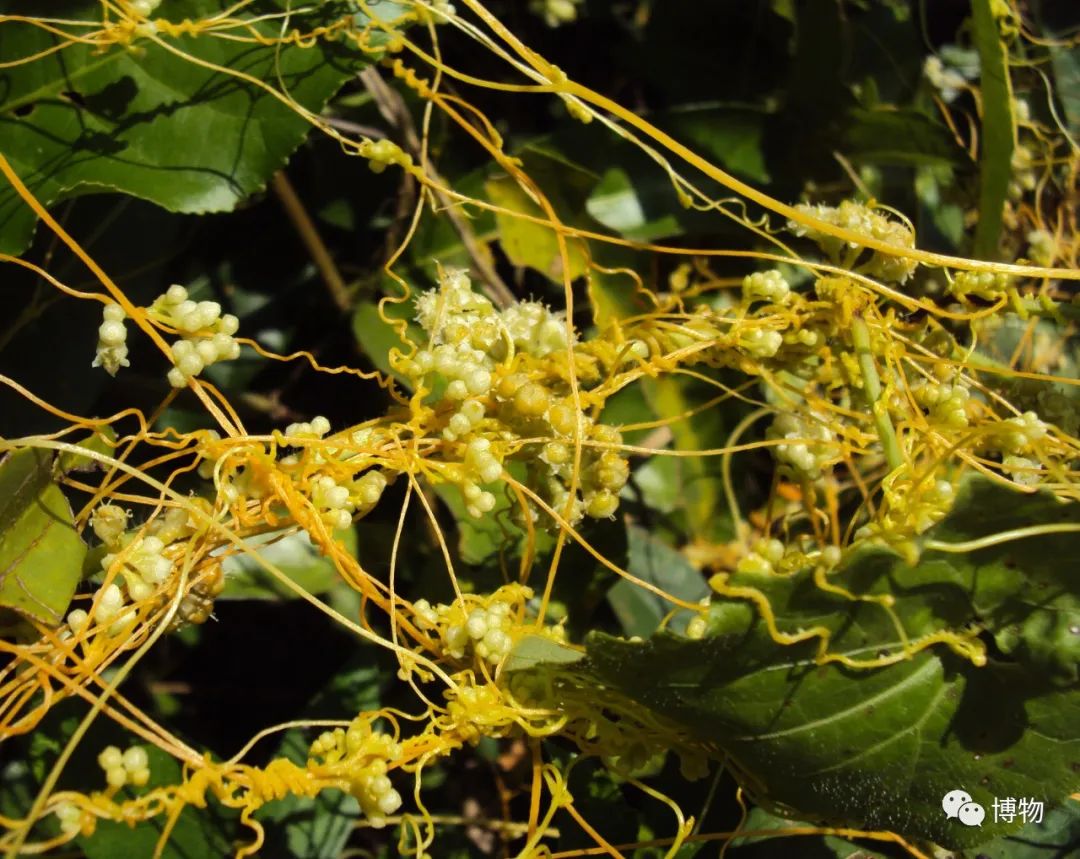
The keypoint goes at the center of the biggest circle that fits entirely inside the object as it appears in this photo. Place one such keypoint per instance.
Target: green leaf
(41, 553)
(879, 747)
(731, 135)
(681, 401)
(103, 441)
(376, 337)
(640, 611)
(1057, 836)
(615, 203)
(144, 121)
(764, 845)
(527, 243)
(996, 140)
(293, 554)
(899, 136)
(534, 650)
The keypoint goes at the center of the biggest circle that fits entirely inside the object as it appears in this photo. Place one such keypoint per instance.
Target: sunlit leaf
(880, 747)
(295, 555)
(40, 552)
(527, 243)
(149, 120)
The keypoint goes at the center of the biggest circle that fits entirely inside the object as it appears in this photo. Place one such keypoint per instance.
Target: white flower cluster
(861, 219)
(109, 523)
(337, 502)
(1024, 471)
(70, 817)
(467, 360)
(132, 766)
(145, 567)
(765, 286)
(950, 69)
(206, 334)
(362, 755)
(1019, 433)
(486, 467)
(763, 559)
(384, 153)
(108, 608)
(112, 348)
(534, 328)
(759, 342)
(945, 403)
(487, 631)
(1042, 247)
(949, 82)
(146, 8)
(802, 455)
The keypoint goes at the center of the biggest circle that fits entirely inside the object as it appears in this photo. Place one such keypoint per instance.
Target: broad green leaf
(996, 139)
(1057, 836)
(478, 539)
(904, 137)
(295, 555)
(103, 441)
(615, 204)
(680, 400)
(534, 650)
(1067, 85)
(41, 553)
(879, 748)
(613, 295)
(640, 611)
(147, 121)
(731, 135)
(527, 243)
(376, 337)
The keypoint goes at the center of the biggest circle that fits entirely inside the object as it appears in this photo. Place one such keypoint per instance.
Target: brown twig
(309, 235)
(394, 110)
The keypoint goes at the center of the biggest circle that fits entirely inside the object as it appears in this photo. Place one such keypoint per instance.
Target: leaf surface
(181, 121)
(41, 553)
(879, 747)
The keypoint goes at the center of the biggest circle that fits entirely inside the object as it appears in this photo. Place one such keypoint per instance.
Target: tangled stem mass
(866, 395)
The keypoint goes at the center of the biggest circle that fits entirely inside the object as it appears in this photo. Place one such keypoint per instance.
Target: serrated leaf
(295, 555)
(147, 122)
(41, 554)
(879, 748)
